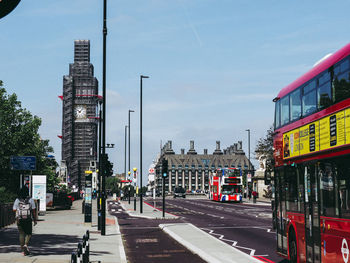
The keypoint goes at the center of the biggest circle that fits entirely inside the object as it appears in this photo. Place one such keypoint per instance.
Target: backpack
(24, 209)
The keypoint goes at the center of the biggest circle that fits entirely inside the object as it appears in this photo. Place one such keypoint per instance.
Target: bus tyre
(292, 247)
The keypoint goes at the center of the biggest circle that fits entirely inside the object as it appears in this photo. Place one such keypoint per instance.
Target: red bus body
(312, 164)
(225, 185)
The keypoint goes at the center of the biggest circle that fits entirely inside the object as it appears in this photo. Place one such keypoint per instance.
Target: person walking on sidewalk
(24, 207)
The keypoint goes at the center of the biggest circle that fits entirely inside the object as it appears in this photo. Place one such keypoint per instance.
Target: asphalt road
(144, 241)
(246, 226)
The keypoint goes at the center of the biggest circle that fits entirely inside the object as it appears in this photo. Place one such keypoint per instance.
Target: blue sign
(23, 163)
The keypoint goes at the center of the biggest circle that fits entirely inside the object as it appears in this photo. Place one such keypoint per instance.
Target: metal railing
(7, 216)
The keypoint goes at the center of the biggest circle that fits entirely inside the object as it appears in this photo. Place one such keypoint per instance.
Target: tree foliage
(265, 146)
(19, 137)
(113, 183)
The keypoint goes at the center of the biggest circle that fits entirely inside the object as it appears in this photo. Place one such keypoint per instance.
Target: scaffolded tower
(79, 115)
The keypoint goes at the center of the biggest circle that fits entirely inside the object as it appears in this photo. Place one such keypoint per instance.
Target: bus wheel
(292, 247)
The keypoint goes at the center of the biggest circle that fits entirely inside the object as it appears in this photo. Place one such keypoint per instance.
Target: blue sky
(214, 65)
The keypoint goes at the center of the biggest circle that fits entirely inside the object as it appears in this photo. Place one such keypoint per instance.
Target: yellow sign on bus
(323, 134)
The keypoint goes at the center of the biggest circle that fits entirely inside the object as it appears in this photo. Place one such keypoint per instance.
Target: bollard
(73, 258)
(83, 207)
(84, 249)
(80, 253)
(87, 251)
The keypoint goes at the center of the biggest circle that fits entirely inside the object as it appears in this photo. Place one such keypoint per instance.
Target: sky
(214, 65)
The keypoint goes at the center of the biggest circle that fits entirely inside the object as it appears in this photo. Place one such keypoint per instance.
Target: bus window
(295, 105)
(344, 188)
(324, 95)
(285, 110)
(327, 187)
(291, 183)
(277, 114)
(309, 98)
(341, 86)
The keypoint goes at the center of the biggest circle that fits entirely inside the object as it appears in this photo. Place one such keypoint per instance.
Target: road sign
(23, 163)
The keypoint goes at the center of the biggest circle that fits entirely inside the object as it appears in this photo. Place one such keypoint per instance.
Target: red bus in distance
(225, 185)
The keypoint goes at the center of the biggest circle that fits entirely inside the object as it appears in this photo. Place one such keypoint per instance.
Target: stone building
(79, 116)
(191, 170)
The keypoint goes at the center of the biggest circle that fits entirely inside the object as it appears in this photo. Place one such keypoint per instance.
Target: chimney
(205, 151)
(191, 150)
(169, 148)
(239, 145)
(217, 150)
(182, 151)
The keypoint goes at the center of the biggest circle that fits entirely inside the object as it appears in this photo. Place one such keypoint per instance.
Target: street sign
(23, 163)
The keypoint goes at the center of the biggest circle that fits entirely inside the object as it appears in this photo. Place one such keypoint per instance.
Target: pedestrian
(255, 195)
(249, 194)
(24, 207)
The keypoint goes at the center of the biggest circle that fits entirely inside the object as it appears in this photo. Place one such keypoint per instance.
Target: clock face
(80, 112)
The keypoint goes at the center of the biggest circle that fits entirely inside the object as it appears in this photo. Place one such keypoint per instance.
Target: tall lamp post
(99, 169)
(126, 127)
(129, 172)
(248, 130)
(141, 77)
(135, 180)
(103, 181)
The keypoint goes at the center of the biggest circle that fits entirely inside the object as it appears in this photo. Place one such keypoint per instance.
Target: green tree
(265, 145)
(19, 137)
(112, 184)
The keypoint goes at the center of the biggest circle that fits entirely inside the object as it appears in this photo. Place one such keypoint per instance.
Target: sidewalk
(57, 235)
(148, 209)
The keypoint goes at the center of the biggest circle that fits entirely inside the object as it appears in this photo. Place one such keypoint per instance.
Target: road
(144, 241)
(246, 226)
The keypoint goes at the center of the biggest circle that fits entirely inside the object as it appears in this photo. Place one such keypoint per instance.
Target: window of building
(295, 105)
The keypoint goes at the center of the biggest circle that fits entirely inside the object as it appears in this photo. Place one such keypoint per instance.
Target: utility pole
(103, 183)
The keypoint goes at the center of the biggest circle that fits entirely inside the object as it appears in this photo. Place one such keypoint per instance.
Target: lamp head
(129, 173)
(135, 169)
(144, 77)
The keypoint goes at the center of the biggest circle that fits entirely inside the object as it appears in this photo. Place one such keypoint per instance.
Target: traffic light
(164, 167)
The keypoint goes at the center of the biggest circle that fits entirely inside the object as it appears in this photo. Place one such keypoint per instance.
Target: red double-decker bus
(312, 163)
(225, 185)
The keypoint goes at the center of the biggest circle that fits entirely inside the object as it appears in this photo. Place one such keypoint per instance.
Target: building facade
(79, 115)
(192, 170)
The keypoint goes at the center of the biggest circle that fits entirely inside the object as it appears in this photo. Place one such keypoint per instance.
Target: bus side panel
(298, 222)
(335, 240)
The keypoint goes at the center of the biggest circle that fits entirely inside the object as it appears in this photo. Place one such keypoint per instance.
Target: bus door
(312, 216)
(280, 211)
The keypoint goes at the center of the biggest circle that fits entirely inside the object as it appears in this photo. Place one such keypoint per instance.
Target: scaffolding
(79, 135)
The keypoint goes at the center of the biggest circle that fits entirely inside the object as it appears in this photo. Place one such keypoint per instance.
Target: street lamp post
(248, 130)
(126, 127)
(103, 183)
(135, 180)
(129, 172)
(141, 77)
(99, 170)
(129, 183)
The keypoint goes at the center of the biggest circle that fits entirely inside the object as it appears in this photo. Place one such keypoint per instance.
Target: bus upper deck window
(277, 114)
(295, 105)
(309, 101)
(285, 110)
